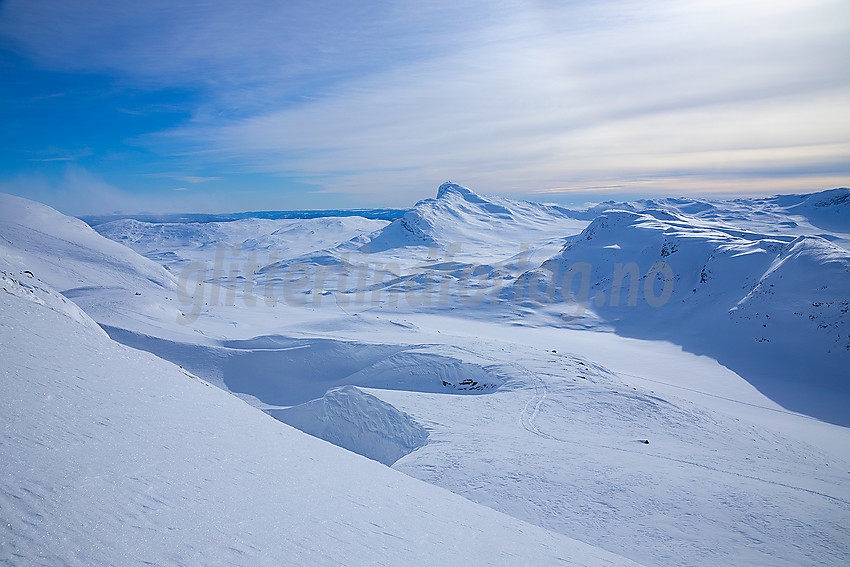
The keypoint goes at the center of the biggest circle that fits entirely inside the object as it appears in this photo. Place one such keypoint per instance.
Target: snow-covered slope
(274, 371)
(112, 456)
(773, 307)
(829, 210)
(71, 255)
(109, 281)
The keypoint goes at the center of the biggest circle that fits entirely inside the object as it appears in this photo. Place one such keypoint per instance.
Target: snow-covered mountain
(829, 210)
(825, 214)
(773, 307)
(460, 216)
(174, 244)
(634, 427)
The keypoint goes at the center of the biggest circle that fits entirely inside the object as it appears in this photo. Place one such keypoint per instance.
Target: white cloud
(697, 90)
(185, 178)
(244, 54)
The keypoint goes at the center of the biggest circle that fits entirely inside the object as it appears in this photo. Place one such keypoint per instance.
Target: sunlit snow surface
(665, 380)
(114, 457)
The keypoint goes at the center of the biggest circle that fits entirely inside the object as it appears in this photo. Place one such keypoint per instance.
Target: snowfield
(113, 456)
(663, 382)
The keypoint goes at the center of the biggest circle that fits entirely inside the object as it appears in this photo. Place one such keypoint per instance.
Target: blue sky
(220, 106)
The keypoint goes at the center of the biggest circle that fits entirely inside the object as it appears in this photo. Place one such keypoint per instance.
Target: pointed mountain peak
(448, 187)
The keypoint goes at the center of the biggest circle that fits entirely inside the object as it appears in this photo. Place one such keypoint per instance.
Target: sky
(222, 106)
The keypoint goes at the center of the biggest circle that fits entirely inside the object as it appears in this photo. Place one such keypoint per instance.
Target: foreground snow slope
(112, 456)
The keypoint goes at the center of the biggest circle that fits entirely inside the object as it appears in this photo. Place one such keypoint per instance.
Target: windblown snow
(358, 421)
(662, 382)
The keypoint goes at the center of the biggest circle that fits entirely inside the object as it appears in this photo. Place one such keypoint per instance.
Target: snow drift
(282, 371)
(358, 421)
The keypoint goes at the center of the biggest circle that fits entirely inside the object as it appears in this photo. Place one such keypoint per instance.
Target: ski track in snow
(528, 416)
(532, 409)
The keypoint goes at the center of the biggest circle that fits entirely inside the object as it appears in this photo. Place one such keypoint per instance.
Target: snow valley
(491, 381)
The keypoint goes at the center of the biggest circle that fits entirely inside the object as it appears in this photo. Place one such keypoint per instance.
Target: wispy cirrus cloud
(54, 154)
(248, 54)
(185, 178)
(686, 92)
